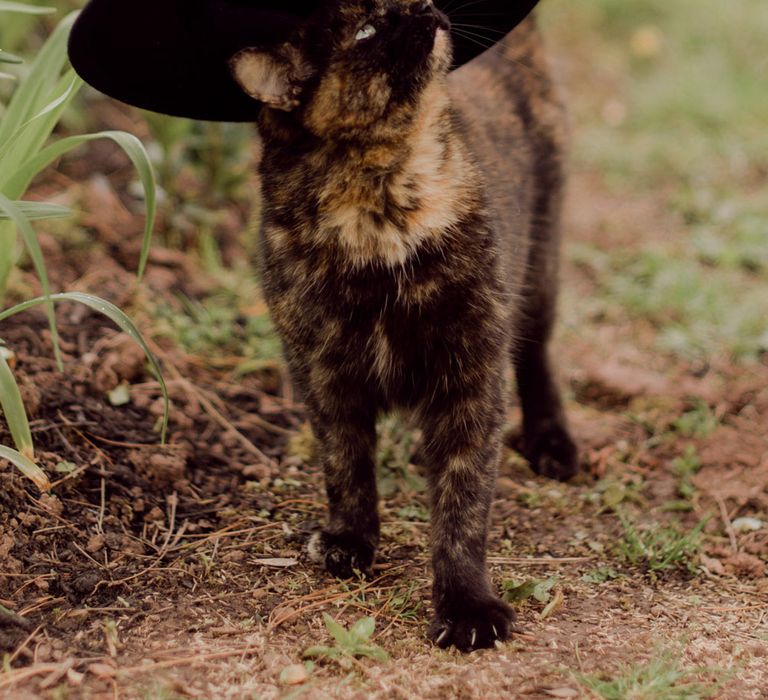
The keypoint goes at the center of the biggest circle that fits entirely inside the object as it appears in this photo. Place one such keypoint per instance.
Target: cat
(409, 252)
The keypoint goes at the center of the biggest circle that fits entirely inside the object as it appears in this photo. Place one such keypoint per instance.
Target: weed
(538, 589)
(658, 547)
(697, 422)
(402, 605)
(659, 678)
(600, 574)
(349, 644)
(217, 326)
(414, 512)
(393, 457)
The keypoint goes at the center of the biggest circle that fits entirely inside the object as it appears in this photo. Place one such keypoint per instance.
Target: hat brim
(171, 56)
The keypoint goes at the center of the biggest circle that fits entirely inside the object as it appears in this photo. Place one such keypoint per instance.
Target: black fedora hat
(171, 56)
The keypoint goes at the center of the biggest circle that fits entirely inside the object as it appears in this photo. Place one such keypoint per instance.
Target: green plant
(659, 678)
(698, 421)
(27, 122)
(658, 547)
(349, 644)
(393, 455)
(684, 468)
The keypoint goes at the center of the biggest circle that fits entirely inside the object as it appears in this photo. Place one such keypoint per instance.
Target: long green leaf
(33, 247)
(134, 150)
(25, 9)
(114, 314)
(34, 91)
(29, 137)
(27, 467)
(37, 211)
(6, 57)
(13, 409)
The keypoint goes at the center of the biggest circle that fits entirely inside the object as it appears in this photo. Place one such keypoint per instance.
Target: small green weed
(538, 589)
(697, 422)
(217, 326)
(402, 605)
(660, 678)
(659, 547)
(349, 644)
(393, 457)
(600, 574)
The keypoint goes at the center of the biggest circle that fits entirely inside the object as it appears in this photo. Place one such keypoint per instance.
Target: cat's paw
(552, 452)
(470, 625)
(344, 555)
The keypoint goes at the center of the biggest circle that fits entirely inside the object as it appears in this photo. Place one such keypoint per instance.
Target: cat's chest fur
(377, 203)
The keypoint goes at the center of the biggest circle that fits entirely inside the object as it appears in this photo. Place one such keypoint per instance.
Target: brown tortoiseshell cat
(409, 246)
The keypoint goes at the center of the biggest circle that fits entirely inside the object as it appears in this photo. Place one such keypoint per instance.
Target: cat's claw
(470, 626)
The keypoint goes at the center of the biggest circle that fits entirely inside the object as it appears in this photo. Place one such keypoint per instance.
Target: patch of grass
(684, 467)
(696, 422)
(697, 312)
(600, 574)
(218, 327)
(402, 604)
(394, 450)
(662, 677)
(658, 547)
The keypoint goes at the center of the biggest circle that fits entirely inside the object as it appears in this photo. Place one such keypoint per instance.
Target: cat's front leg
(344, 425)
(462, 449)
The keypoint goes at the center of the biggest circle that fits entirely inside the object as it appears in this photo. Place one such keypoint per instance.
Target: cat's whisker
(471, 3)
(490, 44)
(461, 25)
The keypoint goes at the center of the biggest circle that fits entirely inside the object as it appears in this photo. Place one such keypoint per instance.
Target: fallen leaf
(278, 562)
(554, 605)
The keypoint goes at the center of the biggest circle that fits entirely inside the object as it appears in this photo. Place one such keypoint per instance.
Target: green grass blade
(37, 211)
(34, 91)
(6, 57)
(133, 148)
(8, 253)
(7, 76)
(27, 467)
(29, 137)
(24, 9)
(13, 409)
(113, 313)
(33, 247)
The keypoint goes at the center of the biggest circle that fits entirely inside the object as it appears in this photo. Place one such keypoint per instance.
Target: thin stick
(727, 522)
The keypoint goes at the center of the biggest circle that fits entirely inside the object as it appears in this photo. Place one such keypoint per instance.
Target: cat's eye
(365, 33)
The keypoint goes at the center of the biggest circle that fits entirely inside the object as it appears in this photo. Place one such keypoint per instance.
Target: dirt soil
(180, 570)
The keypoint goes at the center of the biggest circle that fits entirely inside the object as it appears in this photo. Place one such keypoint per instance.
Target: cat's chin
(442, 53)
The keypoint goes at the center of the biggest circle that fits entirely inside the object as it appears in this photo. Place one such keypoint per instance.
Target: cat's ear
(273, 76)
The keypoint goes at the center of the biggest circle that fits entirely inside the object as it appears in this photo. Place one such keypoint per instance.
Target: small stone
(294, 674)
(747, 524)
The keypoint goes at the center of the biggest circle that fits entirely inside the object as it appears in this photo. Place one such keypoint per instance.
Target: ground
(170, 571)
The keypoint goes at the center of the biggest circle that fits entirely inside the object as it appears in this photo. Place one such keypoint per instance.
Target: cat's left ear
(274, 76)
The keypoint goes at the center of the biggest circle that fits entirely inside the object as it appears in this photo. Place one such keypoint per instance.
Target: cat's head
(355, 65)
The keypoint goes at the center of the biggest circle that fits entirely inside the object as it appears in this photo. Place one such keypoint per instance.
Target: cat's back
(514, 123)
